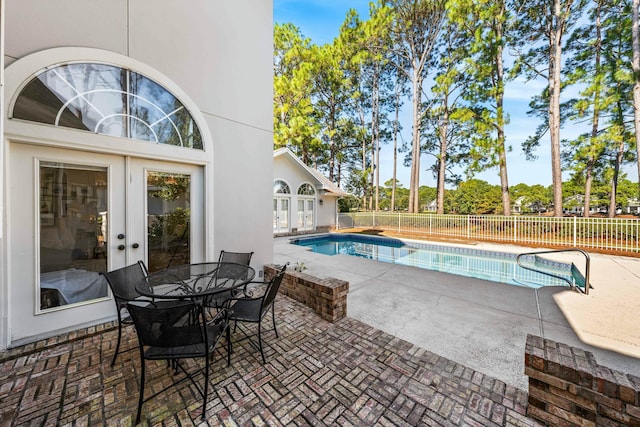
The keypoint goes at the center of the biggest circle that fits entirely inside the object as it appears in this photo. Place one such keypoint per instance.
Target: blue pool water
(482, 264)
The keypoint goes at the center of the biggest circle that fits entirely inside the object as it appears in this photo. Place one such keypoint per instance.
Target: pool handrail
(587, 266)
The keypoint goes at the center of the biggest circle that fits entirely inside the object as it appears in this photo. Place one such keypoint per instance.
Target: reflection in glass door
(73, 214)
(168, 214)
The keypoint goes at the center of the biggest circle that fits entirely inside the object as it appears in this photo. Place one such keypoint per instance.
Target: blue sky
(320, 21)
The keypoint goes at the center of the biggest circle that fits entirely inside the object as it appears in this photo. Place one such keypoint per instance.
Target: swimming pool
(481, 264)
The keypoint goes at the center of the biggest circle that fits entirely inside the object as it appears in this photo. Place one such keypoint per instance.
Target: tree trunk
(635, 33)
(442, 163)
(504, 179)
(376, 135)
(396, 131)
(415, 150)
(555, 64)
(595, 123)
(614, 180)
(588, 180)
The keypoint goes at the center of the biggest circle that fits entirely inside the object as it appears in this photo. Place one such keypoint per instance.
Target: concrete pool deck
(483, 325)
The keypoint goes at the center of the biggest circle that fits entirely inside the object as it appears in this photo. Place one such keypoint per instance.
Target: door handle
(135, 246)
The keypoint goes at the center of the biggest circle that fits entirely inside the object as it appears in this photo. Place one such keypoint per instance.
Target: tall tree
(635, 34)
(486, 23)
(352, 43)
(414, 30)
(448, 115)
(294, 122)
(541, 26)
(376, 72)
(586, 151)
(619, 80)
(332, 91)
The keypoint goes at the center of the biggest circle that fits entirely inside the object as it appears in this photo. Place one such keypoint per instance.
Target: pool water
(482, 264)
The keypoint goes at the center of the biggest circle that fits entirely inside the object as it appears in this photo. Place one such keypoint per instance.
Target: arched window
(109, 100)
(306, 190)
(281, 187)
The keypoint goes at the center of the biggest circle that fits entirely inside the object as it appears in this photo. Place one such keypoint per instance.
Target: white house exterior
(130, 130)
(304, 200)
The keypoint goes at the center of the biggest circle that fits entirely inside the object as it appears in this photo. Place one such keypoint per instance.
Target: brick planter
(327, 297)
(567, 387)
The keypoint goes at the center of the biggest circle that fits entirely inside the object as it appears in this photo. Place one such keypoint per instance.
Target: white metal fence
(619, 235)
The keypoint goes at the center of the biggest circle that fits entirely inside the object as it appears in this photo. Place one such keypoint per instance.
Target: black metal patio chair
(122, 282)
(224, 272)
(172, 333)
(254, 309)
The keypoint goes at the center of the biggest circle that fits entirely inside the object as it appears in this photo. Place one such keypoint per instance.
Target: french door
(306, 215)
(74, 215)
(281, 215)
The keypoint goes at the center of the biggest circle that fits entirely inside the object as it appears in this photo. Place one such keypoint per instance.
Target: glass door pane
(300, 213)
(275, 215)
(309, 215)
(73, 226)
(168, 219)
(283, 224)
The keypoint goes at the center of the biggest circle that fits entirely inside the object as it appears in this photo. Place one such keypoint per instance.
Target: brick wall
(567, 387)
(327, 297)
(295, 232)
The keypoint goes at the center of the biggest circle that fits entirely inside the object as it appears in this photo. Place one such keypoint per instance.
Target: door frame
(24, 308)
(304, 200)
(19, 74)
(278, 199)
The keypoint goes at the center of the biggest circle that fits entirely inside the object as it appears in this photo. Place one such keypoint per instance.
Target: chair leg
(229, 346)
(206, 387)
(273, 317)
(260, 342)
(141, 399)
(113, 361)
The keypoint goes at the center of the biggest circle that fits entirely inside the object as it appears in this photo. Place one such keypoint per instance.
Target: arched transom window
(281, 187)
(109, 100)
(306, 190)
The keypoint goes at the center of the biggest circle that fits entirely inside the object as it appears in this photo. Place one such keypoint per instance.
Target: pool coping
(557, 269)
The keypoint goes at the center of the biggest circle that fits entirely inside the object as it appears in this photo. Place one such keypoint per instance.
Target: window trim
(19, 73)
(289, 193)
(309, 185)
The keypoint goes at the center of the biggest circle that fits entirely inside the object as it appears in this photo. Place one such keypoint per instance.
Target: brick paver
(317, 373)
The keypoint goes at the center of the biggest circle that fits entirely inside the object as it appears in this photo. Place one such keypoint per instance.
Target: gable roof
(324, 182)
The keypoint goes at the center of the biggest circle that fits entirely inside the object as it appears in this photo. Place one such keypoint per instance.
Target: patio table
(195, 281)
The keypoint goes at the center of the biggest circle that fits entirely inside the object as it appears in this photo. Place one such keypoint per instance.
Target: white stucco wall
(218, 53)
(327, 212)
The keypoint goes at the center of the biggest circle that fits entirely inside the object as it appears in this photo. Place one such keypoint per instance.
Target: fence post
(398, 222)
(468, 227)
(575, 231)
(373, 219)
(515, 229)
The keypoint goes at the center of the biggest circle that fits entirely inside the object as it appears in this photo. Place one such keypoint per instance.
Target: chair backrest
(123, 281)
(165, 326)
(235, 257)
(272, 289)
(243, 258)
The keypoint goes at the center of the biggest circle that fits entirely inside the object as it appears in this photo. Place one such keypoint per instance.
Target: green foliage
(474, 197)
(168, 186)
(348, 204)
(334, 105)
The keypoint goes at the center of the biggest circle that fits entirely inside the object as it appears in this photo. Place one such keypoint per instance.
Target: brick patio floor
(317, 373)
